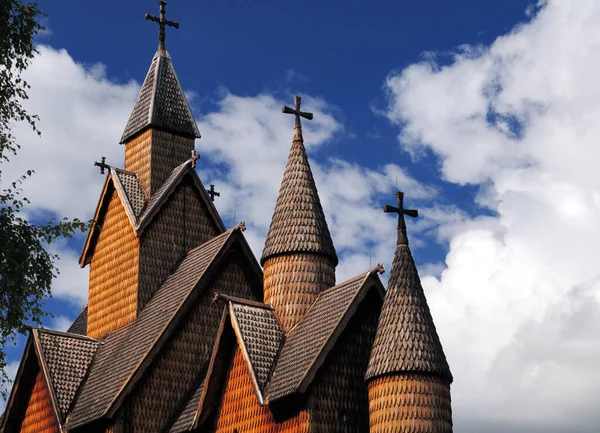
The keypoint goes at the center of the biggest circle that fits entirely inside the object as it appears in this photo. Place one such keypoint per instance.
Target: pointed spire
(298, 223)
(161, 103)
(406, 340)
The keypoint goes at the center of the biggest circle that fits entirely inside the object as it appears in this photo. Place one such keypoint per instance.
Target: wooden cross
(296, 111)
(402, 236)
(162, 22)
(102, 164)
(194, 158)
(212, 193)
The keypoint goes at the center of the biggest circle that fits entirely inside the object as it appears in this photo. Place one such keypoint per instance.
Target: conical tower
(408, 375)
(299, 259)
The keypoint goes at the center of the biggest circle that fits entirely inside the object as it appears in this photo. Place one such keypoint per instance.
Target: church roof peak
(161, 102)
(406, 340)
(298, 223)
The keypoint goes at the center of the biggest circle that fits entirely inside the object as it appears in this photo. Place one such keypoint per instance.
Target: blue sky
(483, 112)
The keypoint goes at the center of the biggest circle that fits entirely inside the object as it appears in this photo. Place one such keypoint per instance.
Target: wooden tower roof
(298, 223)
(161, 103)
(406, 340)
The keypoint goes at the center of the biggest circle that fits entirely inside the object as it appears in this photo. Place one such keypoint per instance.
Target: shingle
(307, 340)
(406, 339)
(298, 223)
(186, 417)
(68, 359)
(133, 190)
(261, 338)
(161, 103)
(79, 326)
(128, 346)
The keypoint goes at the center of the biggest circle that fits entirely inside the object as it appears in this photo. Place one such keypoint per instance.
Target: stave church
(186, 331)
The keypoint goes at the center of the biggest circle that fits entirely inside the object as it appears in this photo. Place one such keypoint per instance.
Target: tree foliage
(27, 268)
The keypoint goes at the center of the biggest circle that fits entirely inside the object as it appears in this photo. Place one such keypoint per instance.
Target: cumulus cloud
(517, 306)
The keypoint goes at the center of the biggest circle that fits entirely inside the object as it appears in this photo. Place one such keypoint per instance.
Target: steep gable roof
(139, 210)
(79, 325)
(161, 103)
(134, 346)
(307, 344)
(64, 360)
(298, 223)
(406, 339)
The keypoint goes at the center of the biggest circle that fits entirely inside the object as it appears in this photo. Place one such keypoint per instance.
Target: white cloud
(519, 299)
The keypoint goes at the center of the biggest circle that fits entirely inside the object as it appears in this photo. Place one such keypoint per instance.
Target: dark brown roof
(161, 103)
(67, 359)
(127, 347)
(79, 326)
(406, 339)
(260, 337)
(187, 416)
(136, 197)
(298, 223)
(309, 342)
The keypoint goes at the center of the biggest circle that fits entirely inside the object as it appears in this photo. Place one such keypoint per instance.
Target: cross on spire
(162, 22)
(212, 193)
(296, 111)
(402, 236)
(102, 164)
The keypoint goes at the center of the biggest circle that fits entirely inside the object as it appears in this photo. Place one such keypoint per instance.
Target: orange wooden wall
(112, 301)
(40, 416)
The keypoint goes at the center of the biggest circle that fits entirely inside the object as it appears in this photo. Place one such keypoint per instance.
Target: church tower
(408, 375)
(299, 259)
(154, 210)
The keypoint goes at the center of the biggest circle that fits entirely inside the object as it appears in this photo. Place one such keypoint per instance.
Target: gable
(308, 344)
(135, 347)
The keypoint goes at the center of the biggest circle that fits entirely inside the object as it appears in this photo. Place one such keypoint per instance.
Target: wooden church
(185, 330)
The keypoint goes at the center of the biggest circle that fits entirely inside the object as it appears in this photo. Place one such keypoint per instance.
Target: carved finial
(194, 158)
(102, 164)
(378, 268)
(162, 22)
(402, 236)
(212, 193)
(241, 226)
(296, 111)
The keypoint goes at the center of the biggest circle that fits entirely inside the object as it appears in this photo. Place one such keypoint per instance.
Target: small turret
(408, 375)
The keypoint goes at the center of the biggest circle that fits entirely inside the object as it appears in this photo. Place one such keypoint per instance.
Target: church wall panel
(39, 416)
(186, 355)
(113, 273)
(182, 224)
(137, 158)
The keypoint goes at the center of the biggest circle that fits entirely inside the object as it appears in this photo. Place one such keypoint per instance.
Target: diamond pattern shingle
(298, 223)
(128, 346)
(133, 190)
(68, 359)
(261, 337)
(406, 339)
(161, 103)
(306, 341)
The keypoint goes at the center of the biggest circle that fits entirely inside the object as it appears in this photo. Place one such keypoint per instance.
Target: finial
(102, 164)
(378, 268)
(402, 236)
(162, 22)
(241, 226)
(194, 158)
(296, 111)
(212, 193)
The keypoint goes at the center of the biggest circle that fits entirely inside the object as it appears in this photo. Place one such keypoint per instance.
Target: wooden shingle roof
(406, 339)
(67, 358)
(142, 339)
(310, 341)
(79, 325)
(161, 103)
(298, 223)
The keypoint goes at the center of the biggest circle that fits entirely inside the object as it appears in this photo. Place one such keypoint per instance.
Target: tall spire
(407, 356)
(299, 258)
